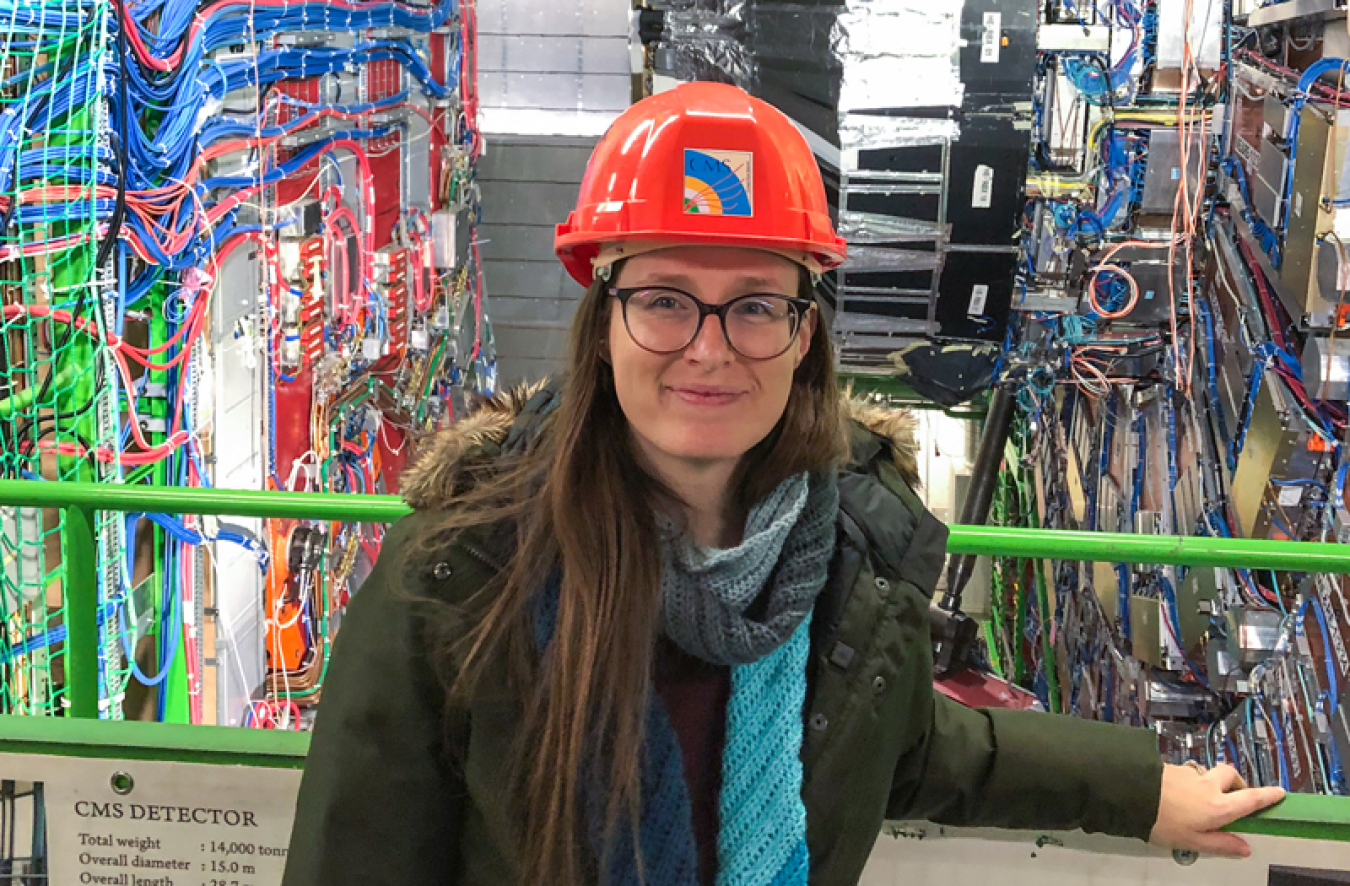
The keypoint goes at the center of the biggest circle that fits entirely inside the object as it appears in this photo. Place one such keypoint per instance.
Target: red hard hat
(704, 163)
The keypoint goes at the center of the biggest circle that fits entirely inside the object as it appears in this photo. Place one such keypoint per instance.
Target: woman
(667, 622)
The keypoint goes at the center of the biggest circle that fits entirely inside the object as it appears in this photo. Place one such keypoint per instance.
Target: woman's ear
(804, 335)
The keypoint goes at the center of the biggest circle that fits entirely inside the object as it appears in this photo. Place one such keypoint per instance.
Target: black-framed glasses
(758, 326)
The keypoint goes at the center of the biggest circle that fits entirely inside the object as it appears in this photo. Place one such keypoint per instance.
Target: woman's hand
(1195, 803)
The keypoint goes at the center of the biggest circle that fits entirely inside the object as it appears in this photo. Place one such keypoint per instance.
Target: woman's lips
(698, 396)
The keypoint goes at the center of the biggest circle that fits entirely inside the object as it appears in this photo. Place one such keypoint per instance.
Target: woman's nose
(710, 345)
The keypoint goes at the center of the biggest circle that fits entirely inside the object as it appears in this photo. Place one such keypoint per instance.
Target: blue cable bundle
(1089, 76)
(1211, 368)
(227, 24)
(182, 104)
(220, 128)
(1305, 84)
(1245, 416)
(1269, 242)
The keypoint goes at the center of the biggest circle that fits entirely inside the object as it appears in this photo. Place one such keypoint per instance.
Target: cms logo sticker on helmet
(718, 183)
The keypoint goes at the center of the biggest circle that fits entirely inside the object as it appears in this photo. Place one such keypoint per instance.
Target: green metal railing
(155, 742)
(80, 501)
(1300, 815)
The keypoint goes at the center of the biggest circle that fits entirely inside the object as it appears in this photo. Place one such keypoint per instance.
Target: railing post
(81, 593)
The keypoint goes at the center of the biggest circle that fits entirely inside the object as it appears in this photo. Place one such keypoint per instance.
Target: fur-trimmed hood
(429, 481)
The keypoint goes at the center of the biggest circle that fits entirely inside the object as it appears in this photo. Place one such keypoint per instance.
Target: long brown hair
(583, 508)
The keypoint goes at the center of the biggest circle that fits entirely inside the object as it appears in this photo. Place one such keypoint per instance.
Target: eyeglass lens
(666, 320)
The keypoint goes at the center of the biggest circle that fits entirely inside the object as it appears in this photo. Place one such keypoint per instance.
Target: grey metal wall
(529, 184)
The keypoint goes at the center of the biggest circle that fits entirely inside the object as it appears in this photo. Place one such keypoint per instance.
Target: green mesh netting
(57, 417)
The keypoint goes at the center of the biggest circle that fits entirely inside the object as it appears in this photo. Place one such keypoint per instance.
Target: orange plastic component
(287, 634)
(312, 302)
(704, 163)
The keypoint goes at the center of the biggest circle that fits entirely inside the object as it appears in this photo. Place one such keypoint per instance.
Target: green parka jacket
(382, 802)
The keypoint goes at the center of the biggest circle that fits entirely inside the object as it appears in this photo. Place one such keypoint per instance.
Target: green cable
(435, 361)
(991, 643)
(137, 475)
(16, 403)
(1047, 645)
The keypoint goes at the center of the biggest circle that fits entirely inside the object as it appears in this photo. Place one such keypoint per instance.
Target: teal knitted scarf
(715, 607)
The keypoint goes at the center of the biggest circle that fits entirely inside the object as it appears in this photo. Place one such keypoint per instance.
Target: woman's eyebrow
(681, 281)
(757, 283)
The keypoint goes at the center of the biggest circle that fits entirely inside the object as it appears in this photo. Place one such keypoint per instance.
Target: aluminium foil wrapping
(899, 54)
(699, 42)
(779, 51)
(710, 40)
(877, 258)
(870, 228)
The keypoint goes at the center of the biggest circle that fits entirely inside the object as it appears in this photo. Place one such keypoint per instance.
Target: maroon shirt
(695, 694)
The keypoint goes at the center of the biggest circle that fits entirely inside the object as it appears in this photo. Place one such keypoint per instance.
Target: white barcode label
(982, 194)
(1290, 496)
(979, 294)
(993, 37)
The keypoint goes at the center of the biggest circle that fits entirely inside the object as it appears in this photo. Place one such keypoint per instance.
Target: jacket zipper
(480, 556)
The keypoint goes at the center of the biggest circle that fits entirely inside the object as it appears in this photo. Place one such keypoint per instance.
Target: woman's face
(705, 403)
